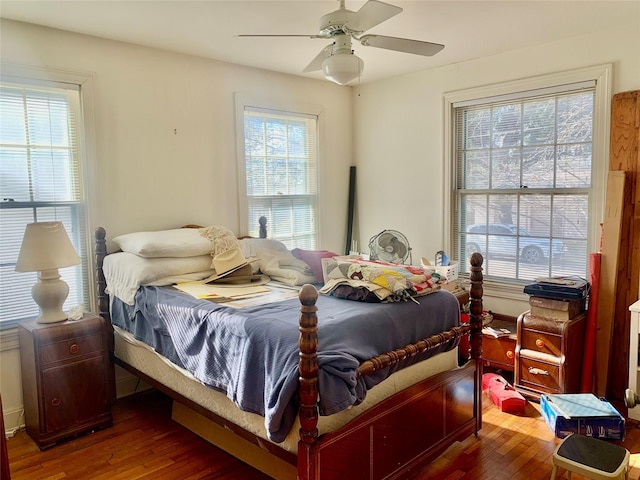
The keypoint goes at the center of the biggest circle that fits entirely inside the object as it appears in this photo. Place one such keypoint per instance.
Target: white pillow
(125, 272)
(179, 242)
(250, 246)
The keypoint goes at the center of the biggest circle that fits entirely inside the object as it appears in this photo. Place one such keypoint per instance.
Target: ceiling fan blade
(373, 13)
(275, 35)
(416, 47)
(316, 63)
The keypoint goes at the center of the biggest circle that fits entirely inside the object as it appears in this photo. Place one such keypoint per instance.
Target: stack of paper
(220, 292)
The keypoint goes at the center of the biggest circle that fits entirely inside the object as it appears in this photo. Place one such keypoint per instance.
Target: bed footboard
(400, 435)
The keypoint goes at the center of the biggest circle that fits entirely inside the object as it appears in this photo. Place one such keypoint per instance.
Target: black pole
(352, 191)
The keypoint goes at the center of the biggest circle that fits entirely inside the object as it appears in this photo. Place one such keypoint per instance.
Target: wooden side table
(500, 352)
(66, 378)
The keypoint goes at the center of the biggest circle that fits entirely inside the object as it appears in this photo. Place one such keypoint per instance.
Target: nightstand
(549, 355)
(66, 378)
(500, 352)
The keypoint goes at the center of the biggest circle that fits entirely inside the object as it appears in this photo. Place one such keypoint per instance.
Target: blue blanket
(251, 354)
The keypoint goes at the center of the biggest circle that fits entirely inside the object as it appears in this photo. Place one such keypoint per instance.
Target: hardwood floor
(145, 443)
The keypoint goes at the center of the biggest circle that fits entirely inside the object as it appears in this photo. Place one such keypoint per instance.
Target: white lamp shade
(46, 246)
(342, 68)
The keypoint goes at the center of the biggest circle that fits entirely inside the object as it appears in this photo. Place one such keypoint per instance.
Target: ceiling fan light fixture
(342, 68)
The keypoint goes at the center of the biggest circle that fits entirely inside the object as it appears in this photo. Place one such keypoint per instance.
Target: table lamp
(45, 248)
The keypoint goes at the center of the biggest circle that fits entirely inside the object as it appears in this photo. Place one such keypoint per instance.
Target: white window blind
(523, 182)
(40, 180)
(280, 163)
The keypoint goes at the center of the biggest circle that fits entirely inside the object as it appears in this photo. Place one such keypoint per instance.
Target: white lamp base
(50, 293)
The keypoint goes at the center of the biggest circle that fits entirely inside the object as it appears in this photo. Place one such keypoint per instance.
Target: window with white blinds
(40, 180)
(524, 171)
(280, 164)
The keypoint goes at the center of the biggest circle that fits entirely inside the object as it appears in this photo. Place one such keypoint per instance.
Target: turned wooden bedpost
(262, 221)
(475, 338)
(101, 252)
(308, 369)
(100, 236)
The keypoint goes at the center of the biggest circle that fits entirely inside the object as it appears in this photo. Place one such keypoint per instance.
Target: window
(526, 184)
(40, 180)
(279, 170)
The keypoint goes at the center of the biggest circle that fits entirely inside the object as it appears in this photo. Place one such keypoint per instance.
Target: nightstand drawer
(541, 341)
(539, 375)
(498, 351)
(498, 348)
(72, 348)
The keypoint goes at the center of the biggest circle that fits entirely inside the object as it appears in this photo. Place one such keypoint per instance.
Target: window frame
(602, 75)
(84, 82)
(242, 102)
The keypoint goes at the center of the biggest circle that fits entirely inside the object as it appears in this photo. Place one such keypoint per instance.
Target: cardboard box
(582, 413)
(559, 309)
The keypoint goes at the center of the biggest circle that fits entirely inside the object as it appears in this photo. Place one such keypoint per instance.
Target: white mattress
(145, 359)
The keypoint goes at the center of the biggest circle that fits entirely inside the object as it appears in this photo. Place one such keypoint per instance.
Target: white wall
(165, 141)
(399, 132)
(165, 129)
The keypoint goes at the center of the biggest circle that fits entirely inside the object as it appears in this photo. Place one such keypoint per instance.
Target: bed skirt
(144, 359)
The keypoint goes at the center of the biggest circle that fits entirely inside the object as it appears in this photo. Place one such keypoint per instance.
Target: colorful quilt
(388, 282)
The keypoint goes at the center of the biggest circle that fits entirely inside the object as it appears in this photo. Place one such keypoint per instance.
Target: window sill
(505, 290)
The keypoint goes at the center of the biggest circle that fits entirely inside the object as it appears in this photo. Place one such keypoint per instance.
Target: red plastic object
(464, 346)
(586, 384)
(502, 393)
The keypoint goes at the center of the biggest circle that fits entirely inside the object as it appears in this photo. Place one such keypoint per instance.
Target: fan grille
(390, 246)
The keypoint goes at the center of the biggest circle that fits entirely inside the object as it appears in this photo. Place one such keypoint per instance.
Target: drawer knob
(539, 343)
(55, 401)
(538, 371)
(509, 353)
(74, 348)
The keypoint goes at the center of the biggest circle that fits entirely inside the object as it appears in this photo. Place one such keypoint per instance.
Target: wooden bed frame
(395, 439)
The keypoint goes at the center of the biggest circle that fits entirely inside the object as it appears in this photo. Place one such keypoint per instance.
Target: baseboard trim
(13, 421)
(505, 318)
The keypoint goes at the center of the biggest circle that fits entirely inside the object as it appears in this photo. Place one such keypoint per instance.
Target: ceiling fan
(337, 60)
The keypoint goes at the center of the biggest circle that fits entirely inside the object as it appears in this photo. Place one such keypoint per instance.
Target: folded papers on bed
(251, 354)
(208, 291)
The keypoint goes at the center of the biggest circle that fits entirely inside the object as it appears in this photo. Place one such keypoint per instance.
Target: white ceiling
(209, 28)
